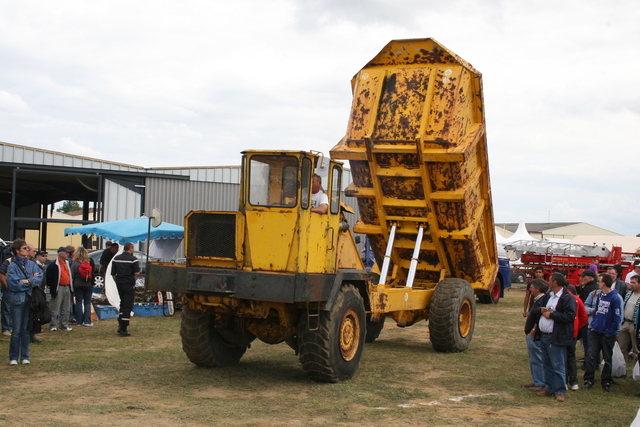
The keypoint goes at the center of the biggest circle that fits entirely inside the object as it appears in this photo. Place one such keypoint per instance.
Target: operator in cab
(319, 199)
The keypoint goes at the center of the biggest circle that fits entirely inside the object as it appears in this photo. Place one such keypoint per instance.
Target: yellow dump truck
(278, 271)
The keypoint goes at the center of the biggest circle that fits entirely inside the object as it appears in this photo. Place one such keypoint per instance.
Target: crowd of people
(605, 312)
(36, 291)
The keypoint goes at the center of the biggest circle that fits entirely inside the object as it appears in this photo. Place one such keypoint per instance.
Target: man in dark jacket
(617, 284)
(555, 329)
(124, 269)
(589, 282)
(538, 288)
(107, 255)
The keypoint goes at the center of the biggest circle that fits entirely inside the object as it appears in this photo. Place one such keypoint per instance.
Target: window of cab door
(336, 182)
(273, 181)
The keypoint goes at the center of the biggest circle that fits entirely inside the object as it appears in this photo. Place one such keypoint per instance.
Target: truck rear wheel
(332, 352)
(452, 316)
(203, 344)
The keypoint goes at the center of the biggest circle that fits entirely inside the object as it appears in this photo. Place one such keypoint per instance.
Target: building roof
(535, 227)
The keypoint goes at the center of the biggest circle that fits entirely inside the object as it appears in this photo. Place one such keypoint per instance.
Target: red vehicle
(570, 258)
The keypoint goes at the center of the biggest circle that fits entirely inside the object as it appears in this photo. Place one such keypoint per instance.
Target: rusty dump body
(416, 145)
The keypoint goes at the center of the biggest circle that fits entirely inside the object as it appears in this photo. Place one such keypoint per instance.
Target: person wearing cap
(634, 272)
(589, 283)
(58, 278)
(42, 261)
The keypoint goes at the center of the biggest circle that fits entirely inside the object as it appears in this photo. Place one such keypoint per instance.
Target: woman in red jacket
(581, 320)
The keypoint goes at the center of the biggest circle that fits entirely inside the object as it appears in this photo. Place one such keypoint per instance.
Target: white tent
(500, 239)
(521, 234)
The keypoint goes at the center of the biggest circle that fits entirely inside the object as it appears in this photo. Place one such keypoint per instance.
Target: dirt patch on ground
(92, 377)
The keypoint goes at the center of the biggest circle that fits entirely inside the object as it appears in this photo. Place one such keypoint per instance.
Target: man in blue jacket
(602, 335)
(555, 331)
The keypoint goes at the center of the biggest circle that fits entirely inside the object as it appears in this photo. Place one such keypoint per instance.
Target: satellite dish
(156, 217)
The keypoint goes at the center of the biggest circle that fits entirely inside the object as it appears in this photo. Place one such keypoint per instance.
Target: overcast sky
(193, 83)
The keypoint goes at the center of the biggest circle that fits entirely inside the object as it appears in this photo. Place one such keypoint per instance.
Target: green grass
(91, 376)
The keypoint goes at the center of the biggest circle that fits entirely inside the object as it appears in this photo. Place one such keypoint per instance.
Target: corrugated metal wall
(120, 202)
(227, 174)
(176, 198)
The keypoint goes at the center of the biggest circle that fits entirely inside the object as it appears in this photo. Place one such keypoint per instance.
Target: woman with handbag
(22, 276)
(82, 272)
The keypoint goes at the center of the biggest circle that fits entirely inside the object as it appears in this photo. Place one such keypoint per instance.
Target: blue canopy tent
(133, 230)
(128, 230)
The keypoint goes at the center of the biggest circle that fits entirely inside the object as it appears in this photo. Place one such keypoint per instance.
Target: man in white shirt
(319, 200)
(636, 271)
(556, 333)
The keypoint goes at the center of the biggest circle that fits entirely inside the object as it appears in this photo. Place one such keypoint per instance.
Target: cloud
(12, 104)
(68, 145)
(194, 83)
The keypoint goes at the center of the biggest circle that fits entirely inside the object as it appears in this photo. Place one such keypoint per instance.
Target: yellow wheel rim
(465, 318)
(349, 335)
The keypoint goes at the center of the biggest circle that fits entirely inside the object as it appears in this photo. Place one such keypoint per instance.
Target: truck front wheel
(452, 316)
(332, 352)
(203, 344)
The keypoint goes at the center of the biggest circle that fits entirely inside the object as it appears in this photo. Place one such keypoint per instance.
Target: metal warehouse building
(32, 181)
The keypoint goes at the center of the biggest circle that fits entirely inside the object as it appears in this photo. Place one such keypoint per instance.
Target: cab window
(306, 178)
(273, 181)
(336, 186)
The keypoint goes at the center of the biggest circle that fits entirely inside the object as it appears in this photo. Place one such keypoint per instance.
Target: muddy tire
(203, 344)
(373, 329)
(332, 352)
(452, 316)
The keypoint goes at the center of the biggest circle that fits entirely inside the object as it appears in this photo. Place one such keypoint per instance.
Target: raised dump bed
(416, 144)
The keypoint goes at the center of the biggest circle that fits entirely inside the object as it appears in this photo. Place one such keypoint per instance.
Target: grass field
(92, 377)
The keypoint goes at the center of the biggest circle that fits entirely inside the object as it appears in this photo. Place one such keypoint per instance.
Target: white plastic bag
(636, 371)
(618, 363)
